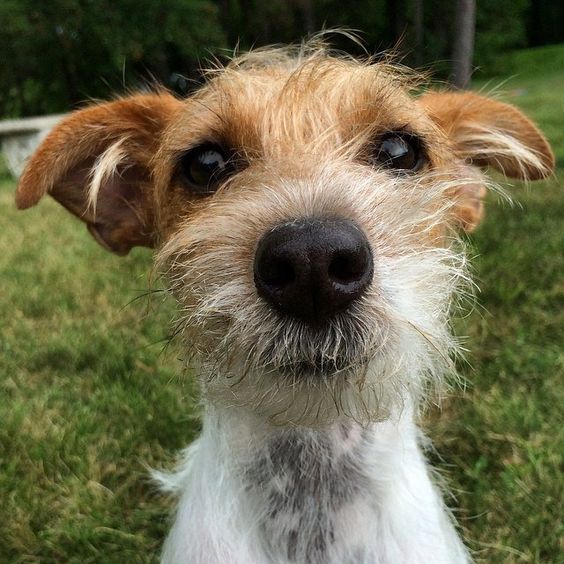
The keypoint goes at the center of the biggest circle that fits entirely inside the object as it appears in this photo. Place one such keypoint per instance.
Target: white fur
(396, 516)
(105, 167)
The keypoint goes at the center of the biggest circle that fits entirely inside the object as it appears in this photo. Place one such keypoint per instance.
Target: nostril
(278, 273)
(344, 268)
(349, 266)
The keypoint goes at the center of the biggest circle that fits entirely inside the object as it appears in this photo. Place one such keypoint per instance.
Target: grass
(90, 399)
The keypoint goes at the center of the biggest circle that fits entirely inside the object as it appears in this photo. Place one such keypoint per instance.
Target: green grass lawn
(90, 398)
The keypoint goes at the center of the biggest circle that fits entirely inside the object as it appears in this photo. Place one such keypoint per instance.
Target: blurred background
(92, 391)
(59, 53)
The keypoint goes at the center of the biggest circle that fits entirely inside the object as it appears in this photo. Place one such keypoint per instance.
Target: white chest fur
(251, 493)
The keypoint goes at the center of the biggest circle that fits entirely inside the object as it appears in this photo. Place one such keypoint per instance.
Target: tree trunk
(395, 11)
(308, 15)
(463, 48)
(418, 24)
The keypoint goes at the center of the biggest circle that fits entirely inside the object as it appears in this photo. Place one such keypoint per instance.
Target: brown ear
(484, 132)
(487, 132)
(96, 164)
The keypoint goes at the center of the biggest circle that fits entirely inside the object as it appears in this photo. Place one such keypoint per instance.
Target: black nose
(313, 268)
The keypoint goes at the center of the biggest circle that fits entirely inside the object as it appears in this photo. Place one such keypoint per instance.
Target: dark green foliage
(500, 26)
(545, 22)
(57, 54)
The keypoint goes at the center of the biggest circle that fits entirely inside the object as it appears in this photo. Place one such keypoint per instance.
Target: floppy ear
(485, 132)
(96, 163)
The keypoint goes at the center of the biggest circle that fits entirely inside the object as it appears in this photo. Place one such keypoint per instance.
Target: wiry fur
(310, 450)
(385, 349)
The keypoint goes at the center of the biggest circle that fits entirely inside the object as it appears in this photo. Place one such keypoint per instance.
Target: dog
(306, 210)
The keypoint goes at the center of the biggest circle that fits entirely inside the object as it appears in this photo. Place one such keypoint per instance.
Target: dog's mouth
(297, 351)
(300, 361)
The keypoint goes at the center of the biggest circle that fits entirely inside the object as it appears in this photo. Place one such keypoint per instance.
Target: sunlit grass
(89, 397)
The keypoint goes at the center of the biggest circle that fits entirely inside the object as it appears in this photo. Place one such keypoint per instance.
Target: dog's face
(304, 209)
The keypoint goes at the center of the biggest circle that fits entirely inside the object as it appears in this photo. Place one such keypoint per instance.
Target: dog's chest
(305, 487)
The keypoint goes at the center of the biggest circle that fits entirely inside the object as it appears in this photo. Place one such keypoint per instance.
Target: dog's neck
(336, 494)
(306, 485)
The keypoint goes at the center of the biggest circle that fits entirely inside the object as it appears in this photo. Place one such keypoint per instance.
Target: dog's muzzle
(312, 269)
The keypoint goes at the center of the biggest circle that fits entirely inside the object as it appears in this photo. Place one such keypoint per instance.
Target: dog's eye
(399, 151)
(205, 166)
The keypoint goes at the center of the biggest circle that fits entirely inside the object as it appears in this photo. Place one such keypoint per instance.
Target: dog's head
(304, 208)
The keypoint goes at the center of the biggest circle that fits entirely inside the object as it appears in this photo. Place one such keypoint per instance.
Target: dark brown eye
(399, 151)
(205, 166)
